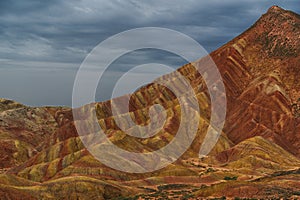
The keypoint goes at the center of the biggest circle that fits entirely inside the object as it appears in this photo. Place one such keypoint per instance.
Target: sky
(43, 43)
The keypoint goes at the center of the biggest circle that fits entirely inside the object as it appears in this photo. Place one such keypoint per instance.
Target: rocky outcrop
(257, 154)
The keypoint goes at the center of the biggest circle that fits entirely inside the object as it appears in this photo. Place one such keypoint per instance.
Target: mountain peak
(278, 31)
(275, 8)
(43, 156)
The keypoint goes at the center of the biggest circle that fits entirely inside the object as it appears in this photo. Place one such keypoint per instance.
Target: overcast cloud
(42, 43)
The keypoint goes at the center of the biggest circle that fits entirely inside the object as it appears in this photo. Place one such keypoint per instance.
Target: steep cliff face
(268, 53)
(43, 157)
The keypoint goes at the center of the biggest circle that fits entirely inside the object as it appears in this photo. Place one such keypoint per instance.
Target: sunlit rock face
(256, 156)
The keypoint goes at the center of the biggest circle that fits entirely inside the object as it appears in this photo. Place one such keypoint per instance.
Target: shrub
(230, 178)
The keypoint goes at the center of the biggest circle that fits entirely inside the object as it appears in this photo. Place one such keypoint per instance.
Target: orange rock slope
(256, 156)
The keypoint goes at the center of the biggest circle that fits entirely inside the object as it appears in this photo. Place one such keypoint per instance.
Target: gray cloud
(54, 35)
